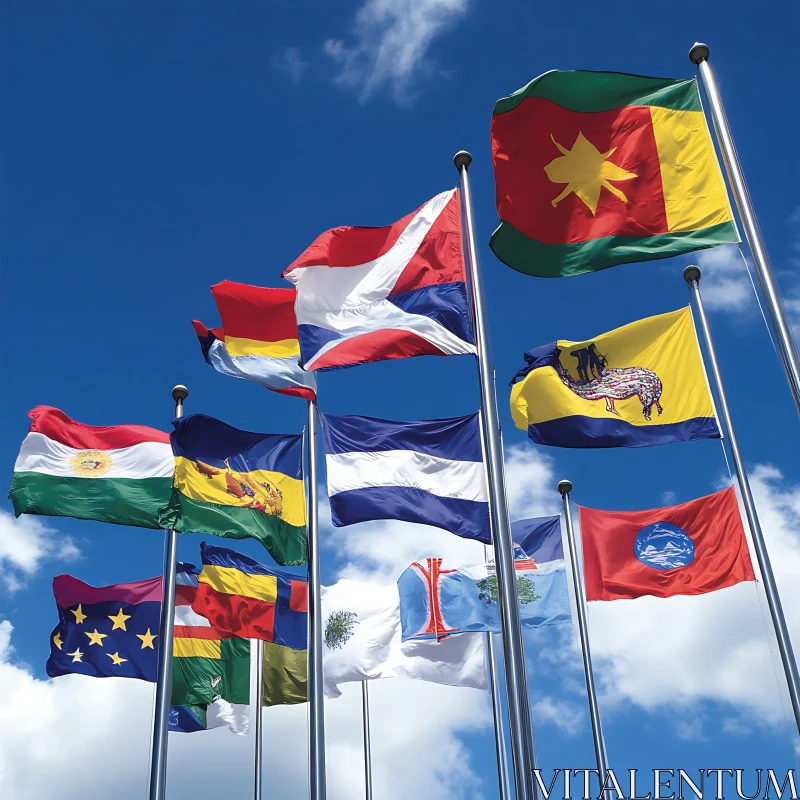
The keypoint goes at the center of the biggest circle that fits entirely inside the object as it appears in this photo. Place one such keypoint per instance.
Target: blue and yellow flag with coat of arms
(639, 385)
(238, 484)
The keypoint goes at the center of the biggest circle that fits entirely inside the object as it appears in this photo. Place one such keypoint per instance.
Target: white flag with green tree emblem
(362, 640)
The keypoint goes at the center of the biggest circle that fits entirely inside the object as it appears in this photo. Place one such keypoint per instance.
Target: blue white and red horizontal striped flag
(431, 472)
(372, 294)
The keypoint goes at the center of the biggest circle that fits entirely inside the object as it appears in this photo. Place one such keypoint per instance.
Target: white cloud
(391, 39)
(71, 736)
(724, 282)
(290, 61)
(26, 542)
(669, 499)
(530, 483)
(569, 717)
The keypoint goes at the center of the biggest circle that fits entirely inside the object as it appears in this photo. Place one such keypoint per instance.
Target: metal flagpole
(259, 766)
(692, 277)
(315, 697)
(367, 742)
(497, 712)
(158, 755)
(699, 55)
(565, 487)
(519, 714)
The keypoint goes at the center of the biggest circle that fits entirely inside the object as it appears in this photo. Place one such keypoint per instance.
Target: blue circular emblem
(663, 546)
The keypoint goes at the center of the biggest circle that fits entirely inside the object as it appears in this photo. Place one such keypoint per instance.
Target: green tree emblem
(526, 590)
(339, 628)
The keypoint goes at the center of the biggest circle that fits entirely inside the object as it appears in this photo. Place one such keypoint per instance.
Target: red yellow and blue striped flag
(258, 338)
(243, 598)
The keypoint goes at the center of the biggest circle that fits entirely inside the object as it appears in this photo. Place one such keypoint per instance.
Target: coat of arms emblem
(597, 381)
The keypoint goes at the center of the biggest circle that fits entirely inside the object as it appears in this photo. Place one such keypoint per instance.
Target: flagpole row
(158, 754)
(565, 487)
(692, 276)
(367, 741)
(522, 746)
(315, 696)
(698, 55)
(259, 717)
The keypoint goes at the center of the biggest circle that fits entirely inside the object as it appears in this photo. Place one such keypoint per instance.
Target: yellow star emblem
(79, 615)
(96, 638)
(57, 641)
(116, 659)
(586, 171)
(147, 639)
(76, 656)
(119, 620)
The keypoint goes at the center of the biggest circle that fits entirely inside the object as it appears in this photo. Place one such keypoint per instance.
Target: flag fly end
(462, 159)
(699, 53)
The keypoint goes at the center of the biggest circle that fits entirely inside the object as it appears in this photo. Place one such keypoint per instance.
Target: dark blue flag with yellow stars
(106, 631)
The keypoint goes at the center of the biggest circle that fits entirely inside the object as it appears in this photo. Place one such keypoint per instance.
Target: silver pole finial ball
(180, 393)
(462, 159)
(691, 274)
(699, 53)
(565, 487)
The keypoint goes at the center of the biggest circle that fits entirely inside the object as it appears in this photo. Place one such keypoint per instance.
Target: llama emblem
(597, 381)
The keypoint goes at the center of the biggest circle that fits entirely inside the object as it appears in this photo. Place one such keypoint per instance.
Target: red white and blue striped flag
(372, 294)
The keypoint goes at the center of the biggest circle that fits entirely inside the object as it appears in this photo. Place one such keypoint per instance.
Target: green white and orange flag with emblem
(595, 169)
(121, 474)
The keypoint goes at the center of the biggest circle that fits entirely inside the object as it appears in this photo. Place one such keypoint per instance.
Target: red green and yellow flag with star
(595, 169)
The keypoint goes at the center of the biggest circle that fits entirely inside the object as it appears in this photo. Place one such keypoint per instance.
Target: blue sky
(153, 149)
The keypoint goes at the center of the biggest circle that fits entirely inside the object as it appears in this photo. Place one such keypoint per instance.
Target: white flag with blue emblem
(430, 472)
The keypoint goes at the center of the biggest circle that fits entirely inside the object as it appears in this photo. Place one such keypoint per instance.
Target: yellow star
(79, 615)
(57, 641)
(116, 659)
(119, 620)
(147, 639)
(585, 171)
(96, 638)
(77, 655)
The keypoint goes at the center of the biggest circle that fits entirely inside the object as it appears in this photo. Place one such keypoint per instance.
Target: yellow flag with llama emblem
(639, 385)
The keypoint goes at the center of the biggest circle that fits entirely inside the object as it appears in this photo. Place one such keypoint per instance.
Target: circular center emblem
(91, 463)
(663, 546)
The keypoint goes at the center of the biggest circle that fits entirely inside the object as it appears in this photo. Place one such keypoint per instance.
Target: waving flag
(693, 548)
(258, 338)
(363, 642)
(110, 473)
(285, 675)
(639, 385)
(210, 668)
(371, 294)
(106, 631)
(595, 169)
(238, 484)
(430, 472)
(244, 598)
(436, 602)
